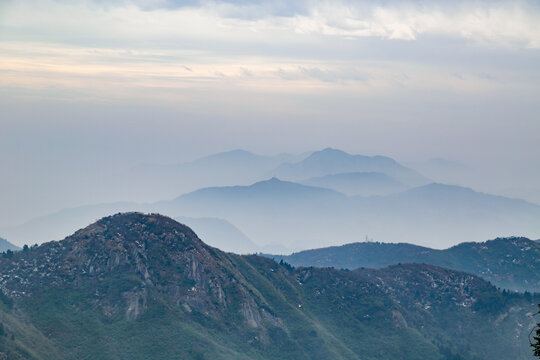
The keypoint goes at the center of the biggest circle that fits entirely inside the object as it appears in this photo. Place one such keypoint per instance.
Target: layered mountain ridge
(510, 263)
(291, 203)
(299, 217)
(331, 161)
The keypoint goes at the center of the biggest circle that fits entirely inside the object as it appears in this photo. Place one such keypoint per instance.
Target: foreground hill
(135, 286)
(217, 232)
(510, 263)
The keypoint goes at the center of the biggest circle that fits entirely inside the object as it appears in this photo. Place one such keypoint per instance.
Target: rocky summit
(136, 286)
(143, 251)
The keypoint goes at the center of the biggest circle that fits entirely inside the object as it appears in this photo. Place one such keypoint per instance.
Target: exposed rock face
(423, 284)
(152, 251)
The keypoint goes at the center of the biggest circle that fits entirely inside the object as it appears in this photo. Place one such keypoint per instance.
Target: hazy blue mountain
(221, 234)
(275, 213)
(447, 215)
(358, 183)
(60, 224)
(6, 245)
(332, 161)
(479, 177)
(268, 192)
(134, 286)
(236, 167)
(271, 211)
(302, 216)
(510, 263)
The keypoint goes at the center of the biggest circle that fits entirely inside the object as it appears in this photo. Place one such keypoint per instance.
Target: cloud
(497, 23)
(112, 49)
(323, 74)
(494, 23)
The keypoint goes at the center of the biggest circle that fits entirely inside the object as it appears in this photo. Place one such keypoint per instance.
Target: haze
(90, 90)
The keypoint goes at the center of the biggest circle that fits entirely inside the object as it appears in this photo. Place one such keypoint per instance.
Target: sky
(89, 88)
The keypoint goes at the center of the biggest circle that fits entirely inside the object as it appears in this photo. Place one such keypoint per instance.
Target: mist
(100, 110)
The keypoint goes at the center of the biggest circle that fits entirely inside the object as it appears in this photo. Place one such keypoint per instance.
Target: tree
(536, 338)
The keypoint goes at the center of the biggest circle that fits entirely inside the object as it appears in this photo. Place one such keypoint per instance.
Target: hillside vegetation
(134, 286)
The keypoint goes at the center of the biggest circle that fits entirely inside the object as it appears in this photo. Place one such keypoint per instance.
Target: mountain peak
(232, 155)
(131, 226)
(274, 184)
(329, 152)
(274, 180)
(122, 259)
(131, 244)
(333, 161)
(332, 150)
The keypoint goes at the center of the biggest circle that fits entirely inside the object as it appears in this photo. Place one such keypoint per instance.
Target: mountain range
(297, 217)
(322, 209)
(310, 217)
(134, 286)
(241, 167)
(358, 183)
(509, 263)
(333, 161)
(236, 167)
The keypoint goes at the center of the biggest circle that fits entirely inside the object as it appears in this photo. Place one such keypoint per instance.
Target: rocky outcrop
(147, 252)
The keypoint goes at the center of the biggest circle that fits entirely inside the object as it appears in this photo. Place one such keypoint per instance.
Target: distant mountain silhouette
(332, 161)
(445, 215)
(302, 216)
(221, 234)
(236, 167)
(6, 245)
(358, 183)
(298, 217)
(510, 263)
(271, 190)
(269, 211)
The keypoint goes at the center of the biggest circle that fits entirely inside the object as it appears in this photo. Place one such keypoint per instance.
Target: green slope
(509, 263)
(138, 286)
